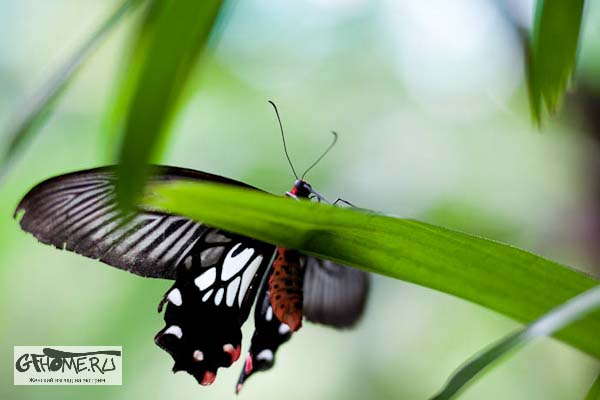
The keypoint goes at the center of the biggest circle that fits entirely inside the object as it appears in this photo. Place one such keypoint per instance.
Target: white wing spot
(269, 314)
(207, 296)
(174, 330)
(283, 329)
(174, 297)
(206, 279)
(219, 296)
(232, 291)
(266, 355)
(247, 277)
(198, 356)
(232, 265)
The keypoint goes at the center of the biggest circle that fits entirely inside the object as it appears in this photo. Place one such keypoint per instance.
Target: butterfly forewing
(78, 212)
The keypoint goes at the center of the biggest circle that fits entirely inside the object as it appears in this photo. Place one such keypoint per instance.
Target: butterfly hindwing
(210, 299)
(269, 334)
(334, 294)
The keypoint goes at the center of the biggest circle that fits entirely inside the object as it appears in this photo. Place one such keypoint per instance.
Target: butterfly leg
(339, 200)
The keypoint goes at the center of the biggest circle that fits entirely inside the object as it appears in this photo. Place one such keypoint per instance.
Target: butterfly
(217, 275)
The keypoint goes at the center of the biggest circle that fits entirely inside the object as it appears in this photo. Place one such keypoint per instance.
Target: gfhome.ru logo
(67, 365)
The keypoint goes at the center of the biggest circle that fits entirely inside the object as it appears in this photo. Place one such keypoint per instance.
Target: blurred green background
(430, 104)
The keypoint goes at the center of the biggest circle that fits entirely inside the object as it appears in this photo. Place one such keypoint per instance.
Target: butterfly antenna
(335, 138)
(283, 139)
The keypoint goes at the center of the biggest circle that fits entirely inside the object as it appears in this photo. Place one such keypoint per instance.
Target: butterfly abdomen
(285, 287)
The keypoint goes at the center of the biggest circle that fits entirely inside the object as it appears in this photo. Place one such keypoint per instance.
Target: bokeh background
(431, 107)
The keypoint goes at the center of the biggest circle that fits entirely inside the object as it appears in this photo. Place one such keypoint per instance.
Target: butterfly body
(285, 283)
(285, 287)
(217, 275)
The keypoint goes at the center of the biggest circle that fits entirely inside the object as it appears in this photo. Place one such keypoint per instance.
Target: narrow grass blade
(533, 90)
(500, 277)
(594, 393)
(38, 106)
(170, 41)
(555, 40)
(556, 319)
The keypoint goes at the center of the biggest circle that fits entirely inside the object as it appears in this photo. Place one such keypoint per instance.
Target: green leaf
(554, 50)
(533, 90)
(172, 37)
(594, 393)
(561, 316)
(500, 277)
(39, 105)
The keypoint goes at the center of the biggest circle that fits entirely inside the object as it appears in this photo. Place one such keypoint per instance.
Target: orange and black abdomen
(285, 287)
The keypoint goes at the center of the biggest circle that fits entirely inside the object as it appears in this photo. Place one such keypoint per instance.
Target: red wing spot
(234, 352)
(248, 366)
(208, 379)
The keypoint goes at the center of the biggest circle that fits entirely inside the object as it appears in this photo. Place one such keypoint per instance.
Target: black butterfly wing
(210, 299)
(77, 212)
(334, 294)
(216, 272)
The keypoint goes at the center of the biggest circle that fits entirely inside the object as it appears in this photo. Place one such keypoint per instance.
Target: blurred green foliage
(553, 52)
(410, 144)
(594, 393)
(169, 42)
(39, 105)
(556, 319)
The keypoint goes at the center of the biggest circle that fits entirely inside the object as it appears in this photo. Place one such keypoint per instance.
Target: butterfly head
(301, 189)
(304, 190)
